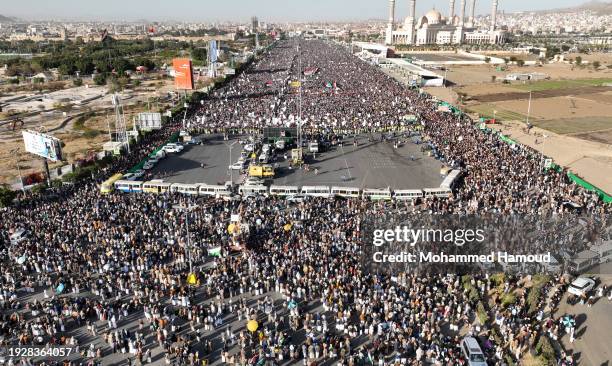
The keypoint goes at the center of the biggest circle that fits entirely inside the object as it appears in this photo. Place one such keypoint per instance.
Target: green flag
(214, 252)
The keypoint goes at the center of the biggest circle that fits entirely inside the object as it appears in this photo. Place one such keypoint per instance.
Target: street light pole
(188, 248)
(18, 168)
(230, 146)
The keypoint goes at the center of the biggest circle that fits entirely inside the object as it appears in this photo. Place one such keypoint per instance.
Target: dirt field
(79, 140)
(463, 76)
(572, 109)
(591, 160)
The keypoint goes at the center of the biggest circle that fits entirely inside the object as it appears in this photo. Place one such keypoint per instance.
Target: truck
(261, 171)
(297, 156)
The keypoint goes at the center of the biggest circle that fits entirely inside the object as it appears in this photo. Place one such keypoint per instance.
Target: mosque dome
(433, 17)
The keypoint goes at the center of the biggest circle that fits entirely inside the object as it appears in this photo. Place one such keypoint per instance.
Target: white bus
(451, 179)
(128, 186)
(437, 192)
(259, 189)
(407, 194)
(192, 189)
(376, 194)
(347, 192)
(156, 186)
(214, 190)
(284, 190)
(316, 191)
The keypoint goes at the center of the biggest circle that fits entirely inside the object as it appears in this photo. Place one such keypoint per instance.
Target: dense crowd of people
(110, 274)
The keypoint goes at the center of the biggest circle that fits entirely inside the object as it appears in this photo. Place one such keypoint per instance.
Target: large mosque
(433, 28)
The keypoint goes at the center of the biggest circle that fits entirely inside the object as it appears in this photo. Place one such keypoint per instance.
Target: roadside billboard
(149, 121)
(183, 73)
(42, 145)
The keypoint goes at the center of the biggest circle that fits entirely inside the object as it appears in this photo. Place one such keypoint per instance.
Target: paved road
(230, 321)
(367, 165)
(185, 167)
(593, 327)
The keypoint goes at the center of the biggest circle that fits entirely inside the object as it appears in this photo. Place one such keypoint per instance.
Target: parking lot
(593, 324)
(367, 165)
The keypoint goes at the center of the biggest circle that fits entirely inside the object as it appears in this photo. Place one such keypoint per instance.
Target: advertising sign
(183, 73)
(149, 121)
(43, 145)
(212, 51)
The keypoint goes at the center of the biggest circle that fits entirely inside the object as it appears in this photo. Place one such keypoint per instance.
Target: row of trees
(111, 56)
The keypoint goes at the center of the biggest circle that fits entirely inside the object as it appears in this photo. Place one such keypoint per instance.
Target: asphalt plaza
(368, 164)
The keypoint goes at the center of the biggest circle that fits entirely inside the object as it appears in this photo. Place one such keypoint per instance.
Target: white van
(190, 189)
(313, 147)
(407, 194)
(284, 190)
(472, 352)
(128, 186)
(346, 192)
(437, 192)
(376, 194)
(249, 189)
(316, 191)
(214, 190)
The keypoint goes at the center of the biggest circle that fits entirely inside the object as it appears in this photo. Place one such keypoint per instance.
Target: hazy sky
(242, 10)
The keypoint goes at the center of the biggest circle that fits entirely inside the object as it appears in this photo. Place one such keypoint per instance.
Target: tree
(578, 60)
(199, 54)
(487, 59)
(596, 65)
(493, 78)
(100, 79)
(520, 63)
(77, 82)
(7, 196)
(66, 69)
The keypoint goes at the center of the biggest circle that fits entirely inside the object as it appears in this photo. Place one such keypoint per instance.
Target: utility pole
(529, 108)
(15, 154)
(47, 174)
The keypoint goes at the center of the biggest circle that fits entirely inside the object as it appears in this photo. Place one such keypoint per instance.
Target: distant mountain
(599, 7)
(4, 19)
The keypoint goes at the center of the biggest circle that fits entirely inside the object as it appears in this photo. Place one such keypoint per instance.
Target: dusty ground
(589, 159)
(569, 108)
(79, 141)
(481, 74)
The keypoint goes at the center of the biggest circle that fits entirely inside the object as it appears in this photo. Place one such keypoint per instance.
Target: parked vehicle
(239, 165)
(261, 171)
(472, 352)
(581, 286)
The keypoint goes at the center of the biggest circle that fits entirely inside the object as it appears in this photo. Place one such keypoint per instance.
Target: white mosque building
(433, 28)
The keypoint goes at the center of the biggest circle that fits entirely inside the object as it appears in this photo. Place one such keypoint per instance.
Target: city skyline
(242, 10)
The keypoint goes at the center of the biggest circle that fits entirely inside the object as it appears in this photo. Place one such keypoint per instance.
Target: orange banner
(183, 73)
